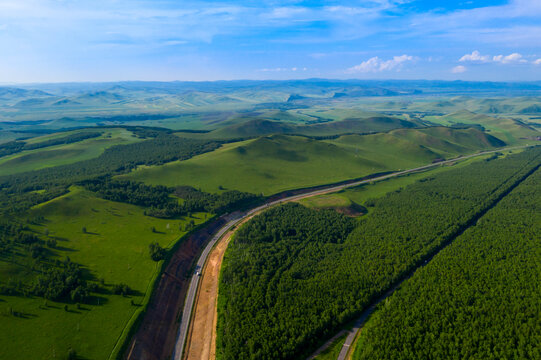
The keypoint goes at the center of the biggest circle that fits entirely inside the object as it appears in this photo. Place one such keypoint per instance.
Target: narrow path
(179, 350)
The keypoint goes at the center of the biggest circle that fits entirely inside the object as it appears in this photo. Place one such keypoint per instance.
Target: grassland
(114, 248)
(277, 163)
(506, 129)
(64, 154)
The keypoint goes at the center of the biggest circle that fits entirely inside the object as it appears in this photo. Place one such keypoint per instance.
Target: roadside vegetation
(285, 286)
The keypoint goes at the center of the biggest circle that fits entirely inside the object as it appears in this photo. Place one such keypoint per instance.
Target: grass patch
(115, 248)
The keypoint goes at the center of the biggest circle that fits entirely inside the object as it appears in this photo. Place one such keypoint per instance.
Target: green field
(63, 154)
(272, 164)
(115, 248)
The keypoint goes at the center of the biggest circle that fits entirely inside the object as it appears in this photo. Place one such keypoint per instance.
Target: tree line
(16, 146)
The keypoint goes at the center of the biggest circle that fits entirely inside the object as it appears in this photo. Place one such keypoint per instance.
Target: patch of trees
(144, 132)
(16, 146)
(64, 282)
(285, 286)
(130, 192)
(156, 252)
(160, 200)
(478, 299)
(16, 238)
(228, 201)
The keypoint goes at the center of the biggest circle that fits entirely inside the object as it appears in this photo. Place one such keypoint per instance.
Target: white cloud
(475, 56)
(537, 62)
(375, 64)
(458, 69)
(511, 58)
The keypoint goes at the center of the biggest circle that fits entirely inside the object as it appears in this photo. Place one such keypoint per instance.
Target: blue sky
(109, 40)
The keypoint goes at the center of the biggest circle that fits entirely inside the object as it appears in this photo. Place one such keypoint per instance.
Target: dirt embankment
(156, 336)
(201, 341)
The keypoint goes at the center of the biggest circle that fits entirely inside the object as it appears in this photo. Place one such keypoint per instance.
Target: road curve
(194, 283)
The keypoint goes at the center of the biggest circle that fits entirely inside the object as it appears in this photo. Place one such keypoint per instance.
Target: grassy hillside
(508, 130)
(276, 163)
(264, 165)
(259, 127)
(114, 248)
(65, 153)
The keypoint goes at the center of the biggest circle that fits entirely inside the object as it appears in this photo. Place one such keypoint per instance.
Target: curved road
(194, 283)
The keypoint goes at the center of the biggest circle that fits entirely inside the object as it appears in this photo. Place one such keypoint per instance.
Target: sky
(165, 40)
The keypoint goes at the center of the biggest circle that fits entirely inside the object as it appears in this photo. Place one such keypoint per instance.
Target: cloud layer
(375, 64)
(71, 40)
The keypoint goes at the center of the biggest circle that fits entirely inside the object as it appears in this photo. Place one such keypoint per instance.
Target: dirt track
(204, 319)
(202, 346)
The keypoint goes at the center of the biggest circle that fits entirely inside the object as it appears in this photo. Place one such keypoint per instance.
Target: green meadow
(506, 129)
(65, 153)
(114, 248)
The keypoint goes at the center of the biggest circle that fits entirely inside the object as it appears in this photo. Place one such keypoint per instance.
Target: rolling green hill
(260, 127)
(508, 130)
(65, 153)
(280, 162)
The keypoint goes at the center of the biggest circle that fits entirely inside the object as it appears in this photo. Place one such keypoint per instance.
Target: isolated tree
(157, 253)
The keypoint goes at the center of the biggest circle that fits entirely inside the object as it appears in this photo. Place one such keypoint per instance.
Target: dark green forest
(292, 276)
(480, 298)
